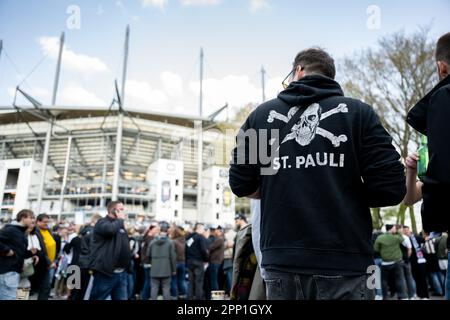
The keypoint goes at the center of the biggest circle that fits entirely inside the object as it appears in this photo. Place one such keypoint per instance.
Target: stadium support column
(263, 83)
(105, 162)
(115, 187)
(44, 166)
(199, 127)
(64, 182)
(199, 131)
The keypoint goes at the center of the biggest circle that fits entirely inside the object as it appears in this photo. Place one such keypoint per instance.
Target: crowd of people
(115, 259)
(413, 266)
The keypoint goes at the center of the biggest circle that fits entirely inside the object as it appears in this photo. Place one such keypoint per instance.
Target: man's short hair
(112, 205)
(42, 216)
(25, 213)
(443, 48)
(240, 217)
(316, 61)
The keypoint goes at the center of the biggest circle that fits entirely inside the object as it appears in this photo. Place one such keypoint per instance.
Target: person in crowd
(388, 245)
(13, 252)
(162, 257)
(230, 236)
(418, 264)
(110, 255)
(178, 283)
(148, 237)
(315, 207)
(134, 262)
(196, 259)
(85, 237)
(216, 256)
(406, 248)
(435, 277)
(46, 268)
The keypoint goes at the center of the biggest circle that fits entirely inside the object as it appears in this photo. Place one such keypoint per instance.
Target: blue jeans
(178, 285)
(378, 290)
(9, 282)
(447, 282)
(146, 287)
(214, 276)
(436, 279)
(105, 286)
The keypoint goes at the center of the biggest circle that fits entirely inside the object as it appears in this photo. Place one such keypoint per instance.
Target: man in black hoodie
(13, 252)
(330, 161)
(196, 258)
(110, 255)
(430, 116)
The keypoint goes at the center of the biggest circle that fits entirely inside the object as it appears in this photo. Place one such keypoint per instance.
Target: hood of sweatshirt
(417, 116)
(161, 239)
(310, 89)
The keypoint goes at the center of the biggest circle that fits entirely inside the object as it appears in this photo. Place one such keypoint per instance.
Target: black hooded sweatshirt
(336, 163)
(430, 116)
(110, 247)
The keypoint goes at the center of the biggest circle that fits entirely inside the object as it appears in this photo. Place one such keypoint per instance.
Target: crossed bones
(335, 140)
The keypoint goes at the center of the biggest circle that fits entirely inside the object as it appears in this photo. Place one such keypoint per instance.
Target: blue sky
(237, 36)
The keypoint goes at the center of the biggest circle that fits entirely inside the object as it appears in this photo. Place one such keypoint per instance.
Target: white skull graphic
(305, 129)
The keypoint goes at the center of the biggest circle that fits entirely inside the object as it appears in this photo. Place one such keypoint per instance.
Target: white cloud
(70, 60)
(172, 84)
(74, 95)
(259, 5)
(154, 3)
(200, 2)
(139, 92)
(236, 90)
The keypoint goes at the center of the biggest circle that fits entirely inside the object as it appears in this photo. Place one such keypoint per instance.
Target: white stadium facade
(147, 160)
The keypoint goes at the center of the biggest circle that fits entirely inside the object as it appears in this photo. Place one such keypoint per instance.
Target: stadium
(70, 161)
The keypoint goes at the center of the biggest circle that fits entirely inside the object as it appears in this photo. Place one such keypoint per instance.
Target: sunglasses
(288, 78)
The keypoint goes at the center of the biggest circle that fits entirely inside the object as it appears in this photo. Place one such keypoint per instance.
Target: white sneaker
(378, 297)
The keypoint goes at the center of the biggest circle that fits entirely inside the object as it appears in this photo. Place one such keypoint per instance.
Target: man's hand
(35, 260)
(121, 215)
(411, 161)
(10, 253)
(255, 195)
(52, 266)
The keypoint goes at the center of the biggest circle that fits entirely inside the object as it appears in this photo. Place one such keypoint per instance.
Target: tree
(392, 78)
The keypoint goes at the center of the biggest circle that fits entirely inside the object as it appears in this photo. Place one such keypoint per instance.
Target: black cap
(389, 227)
(240, 216)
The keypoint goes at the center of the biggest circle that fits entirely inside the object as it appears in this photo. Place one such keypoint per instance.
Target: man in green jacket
(388, 245)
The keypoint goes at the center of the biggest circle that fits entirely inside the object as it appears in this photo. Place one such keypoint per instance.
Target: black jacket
(110, 248)
(85, 246)
(431, 116)
(12, 237)
(74, 246)
(335, 163)
(196, 248)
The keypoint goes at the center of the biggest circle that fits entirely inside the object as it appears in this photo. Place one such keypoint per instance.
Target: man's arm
(204, 249)
(381, 170)
(4, 248)
(244, 174)
(413, 187)
(108, 228)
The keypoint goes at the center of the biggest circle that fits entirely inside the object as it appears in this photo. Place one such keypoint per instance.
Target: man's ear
(443, 68)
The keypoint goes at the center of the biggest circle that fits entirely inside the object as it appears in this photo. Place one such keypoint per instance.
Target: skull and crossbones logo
(306, 129)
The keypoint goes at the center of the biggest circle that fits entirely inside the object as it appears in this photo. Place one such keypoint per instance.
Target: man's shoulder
(443, 93)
